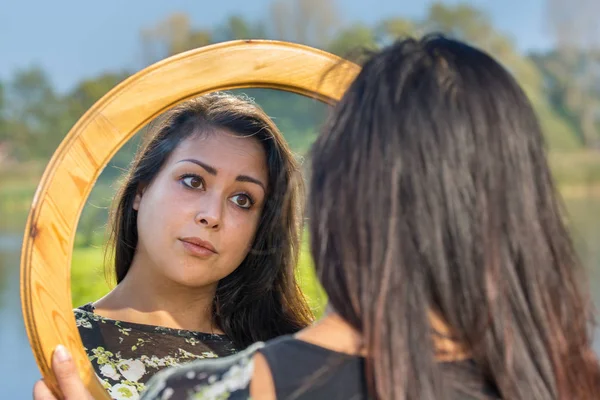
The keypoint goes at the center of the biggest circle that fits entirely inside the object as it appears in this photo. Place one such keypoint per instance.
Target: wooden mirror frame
(88, 147)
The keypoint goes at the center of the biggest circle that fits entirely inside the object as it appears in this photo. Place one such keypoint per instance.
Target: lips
(198, 247)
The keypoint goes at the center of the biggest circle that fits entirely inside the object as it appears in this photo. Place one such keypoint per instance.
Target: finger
(66, 374)
(42, 392)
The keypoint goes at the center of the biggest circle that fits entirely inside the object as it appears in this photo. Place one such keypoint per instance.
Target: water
(18, 371)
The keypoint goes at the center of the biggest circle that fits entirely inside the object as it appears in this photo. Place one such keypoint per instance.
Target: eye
(193, 181)
(242, 200)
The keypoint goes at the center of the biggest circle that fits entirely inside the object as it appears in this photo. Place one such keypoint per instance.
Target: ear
(138, 196)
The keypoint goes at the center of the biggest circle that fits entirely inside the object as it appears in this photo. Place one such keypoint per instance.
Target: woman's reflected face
(197, 219)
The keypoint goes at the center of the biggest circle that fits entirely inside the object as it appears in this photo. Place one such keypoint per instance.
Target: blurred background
(58, 58)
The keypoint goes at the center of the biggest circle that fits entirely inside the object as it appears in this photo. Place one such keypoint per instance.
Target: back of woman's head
(431, 194)
(260, 299)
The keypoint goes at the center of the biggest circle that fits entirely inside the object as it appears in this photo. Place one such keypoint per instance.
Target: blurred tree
(3, 132)
(88, 91)
(83, 96)
(573, 24)
(4, 143)
(35, 121)
(30, 109)
(311, 22)
(572, 81)
(572, 69)
(468, 23)
(465, 22)
(236, 27)
(393, 28)
(172, 35)
(351, 41)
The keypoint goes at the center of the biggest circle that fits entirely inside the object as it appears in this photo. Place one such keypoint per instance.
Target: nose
(210, 212)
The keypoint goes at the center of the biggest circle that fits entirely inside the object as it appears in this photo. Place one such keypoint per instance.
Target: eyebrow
(213, 171)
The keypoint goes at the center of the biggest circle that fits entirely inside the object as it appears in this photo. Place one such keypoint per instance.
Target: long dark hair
(431, 192)
(261, 299)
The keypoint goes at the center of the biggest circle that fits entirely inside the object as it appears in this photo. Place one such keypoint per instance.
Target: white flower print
(213, 391)
(124, 364)
(166, 395)
(193, 341)
(101, 355)
(186, 354)
(104, 382)
(83, 322)
(238, 376)
(149, 362)
(124, 392)
(169, 361)
(209, 354)
(109, 371)
(159, 361)
(132, 370)
(125, 331)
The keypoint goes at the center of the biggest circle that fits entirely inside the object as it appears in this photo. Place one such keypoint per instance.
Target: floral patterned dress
(227, 378)
(125, 355)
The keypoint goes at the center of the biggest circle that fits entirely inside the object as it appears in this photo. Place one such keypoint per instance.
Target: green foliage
(467, 23)
(572, 87)
(34, 118)
(87, 92)
(89, 283)
(3, 132)
(297, 117)
(352, 39)
(307, 279)
(237, 28)
(33, 113)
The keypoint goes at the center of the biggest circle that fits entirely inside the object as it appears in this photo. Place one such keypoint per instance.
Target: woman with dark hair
(205, 233)
(437, 235)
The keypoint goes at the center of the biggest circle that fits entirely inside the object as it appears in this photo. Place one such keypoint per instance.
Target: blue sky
(73, 39)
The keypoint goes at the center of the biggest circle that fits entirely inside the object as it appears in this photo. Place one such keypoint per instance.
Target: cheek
(242, 232)
(160, 210)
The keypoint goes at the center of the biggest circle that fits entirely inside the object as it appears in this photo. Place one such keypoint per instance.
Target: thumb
(66, 374)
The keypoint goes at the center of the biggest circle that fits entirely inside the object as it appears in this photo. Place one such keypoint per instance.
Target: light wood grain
(102, 131)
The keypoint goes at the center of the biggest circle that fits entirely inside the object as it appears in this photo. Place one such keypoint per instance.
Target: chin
(192, 281)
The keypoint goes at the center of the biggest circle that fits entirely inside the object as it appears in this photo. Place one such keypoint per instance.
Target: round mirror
(103, 130)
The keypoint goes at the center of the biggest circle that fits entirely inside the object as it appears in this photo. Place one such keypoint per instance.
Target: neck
(144, 298)
(334, 333)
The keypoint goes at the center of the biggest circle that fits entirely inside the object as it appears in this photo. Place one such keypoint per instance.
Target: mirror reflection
(191, 244)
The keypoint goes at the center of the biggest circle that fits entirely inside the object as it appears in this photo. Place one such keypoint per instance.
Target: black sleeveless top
(300, 370)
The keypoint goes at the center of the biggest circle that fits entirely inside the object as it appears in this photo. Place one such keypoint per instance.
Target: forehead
(224, 150)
